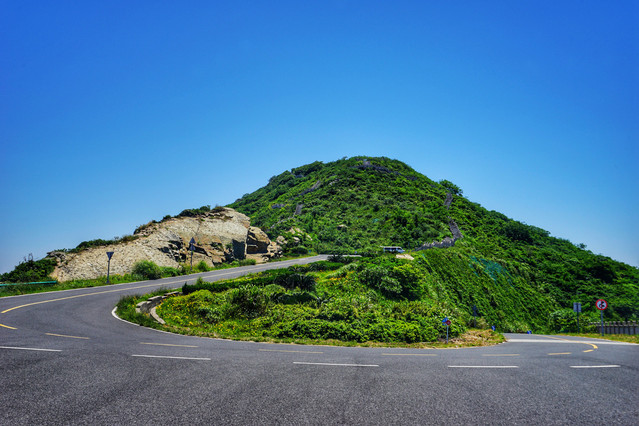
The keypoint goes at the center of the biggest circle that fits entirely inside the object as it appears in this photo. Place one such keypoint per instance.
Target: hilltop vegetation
(361, 203)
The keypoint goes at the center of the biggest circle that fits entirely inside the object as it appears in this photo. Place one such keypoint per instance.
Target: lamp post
(109, 254)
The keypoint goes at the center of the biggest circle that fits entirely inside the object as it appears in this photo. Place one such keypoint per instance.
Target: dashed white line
(483, 366)
(171, 357)
(30, 349)
(595, 366)
(336, 365)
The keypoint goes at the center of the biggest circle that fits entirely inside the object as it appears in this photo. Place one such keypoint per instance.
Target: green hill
(517, 275)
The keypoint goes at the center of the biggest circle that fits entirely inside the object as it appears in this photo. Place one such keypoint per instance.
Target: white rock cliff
(220, 235)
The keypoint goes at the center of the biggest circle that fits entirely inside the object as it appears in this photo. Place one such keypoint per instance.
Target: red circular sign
(448, 322)
(601, 304)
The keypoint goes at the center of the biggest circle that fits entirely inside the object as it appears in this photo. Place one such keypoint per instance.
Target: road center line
(172, 357)
(64, 335)
(336, 365)
(564, 353)
(30, 349)
(6, 326)
(595, 366)
(85, 295)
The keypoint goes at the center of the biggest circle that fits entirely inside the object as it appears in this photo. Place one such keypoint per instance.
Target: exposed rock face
(222, 235)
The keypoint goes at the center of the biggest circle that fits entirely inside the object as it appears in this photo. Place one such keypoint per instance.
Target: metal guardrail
(33, 283)
(618, 327)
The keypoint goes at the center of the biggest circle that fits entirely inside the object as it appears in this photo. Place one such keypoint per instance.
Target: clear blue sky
(115, 113)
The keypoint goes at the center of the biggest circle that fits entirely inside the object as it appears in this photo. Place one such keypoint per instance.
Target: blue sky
(115, 113)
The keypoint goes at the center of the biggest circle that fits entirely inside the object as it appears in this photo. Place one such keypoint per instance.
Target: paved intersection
(66, 359)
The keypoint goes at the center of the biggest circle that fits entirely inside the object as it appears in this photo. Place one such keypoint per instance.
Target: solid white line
(31, 349)
(587, 342)
(483, 366)
(282, 350)
(172, 357)
(595, 366)
(336, 365)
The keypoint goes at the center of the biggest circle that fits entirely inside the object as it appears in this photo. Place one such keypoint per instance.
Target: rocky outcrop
(220, 235)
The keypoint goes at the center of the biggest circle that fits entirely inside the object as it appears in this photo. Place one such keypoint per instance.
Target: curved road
(65, 359)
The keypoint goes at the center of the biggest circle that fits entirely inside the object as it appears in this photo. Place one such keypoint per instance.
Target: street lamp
(109, 254)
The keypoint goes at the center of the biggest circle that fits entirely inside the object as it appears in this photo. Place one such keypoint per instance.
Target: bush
(246, 302)
(202, 266)
(147, 270)
(290, 280)
(299, 250)
(30, 271)
(167, 271)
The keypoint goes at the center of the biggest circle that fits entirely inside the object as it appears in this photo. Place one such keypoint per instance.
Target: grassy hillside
(361, 203)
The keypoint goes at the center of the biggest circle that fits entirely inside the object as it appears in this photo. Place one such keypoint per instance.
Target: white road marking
(483, 366)
(168, 344)
(30, 349)
(589, 342)
(500, 355)
(282, 350)
(64, 335)
(409, 354)
(336, 365)
(172, 357)
(595, 366)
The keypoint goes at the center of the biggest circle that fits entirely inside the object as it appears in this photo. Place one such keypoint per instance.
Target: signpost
(192, 247)
(447, 323)
(576, 306)
(109, 254)
(601, 305)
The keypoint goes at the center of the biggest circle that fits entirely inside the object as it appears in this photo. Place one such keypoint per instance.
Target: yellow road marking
(282, 350)
(168, 344)
(562, 353)
(6, 326)
(84, 295)
(409, 354)
(575, 341)
(501, 355)
(64, 335)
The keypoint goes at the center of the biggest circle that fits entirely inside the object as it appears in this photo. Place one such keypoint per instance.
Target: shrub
(290, 280)
(202, 266)
(147, 270)
(30, 271)
(167, 271)
(246, 302)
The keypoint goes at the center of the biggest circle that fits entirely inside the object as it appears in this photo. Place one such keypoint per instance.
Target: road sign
(576, 306)
(447, 322)
(109, 254)
(601, 304)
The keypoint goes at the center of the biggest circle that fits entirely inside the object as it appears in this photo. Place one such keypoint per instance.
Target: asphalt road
(65, 359)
